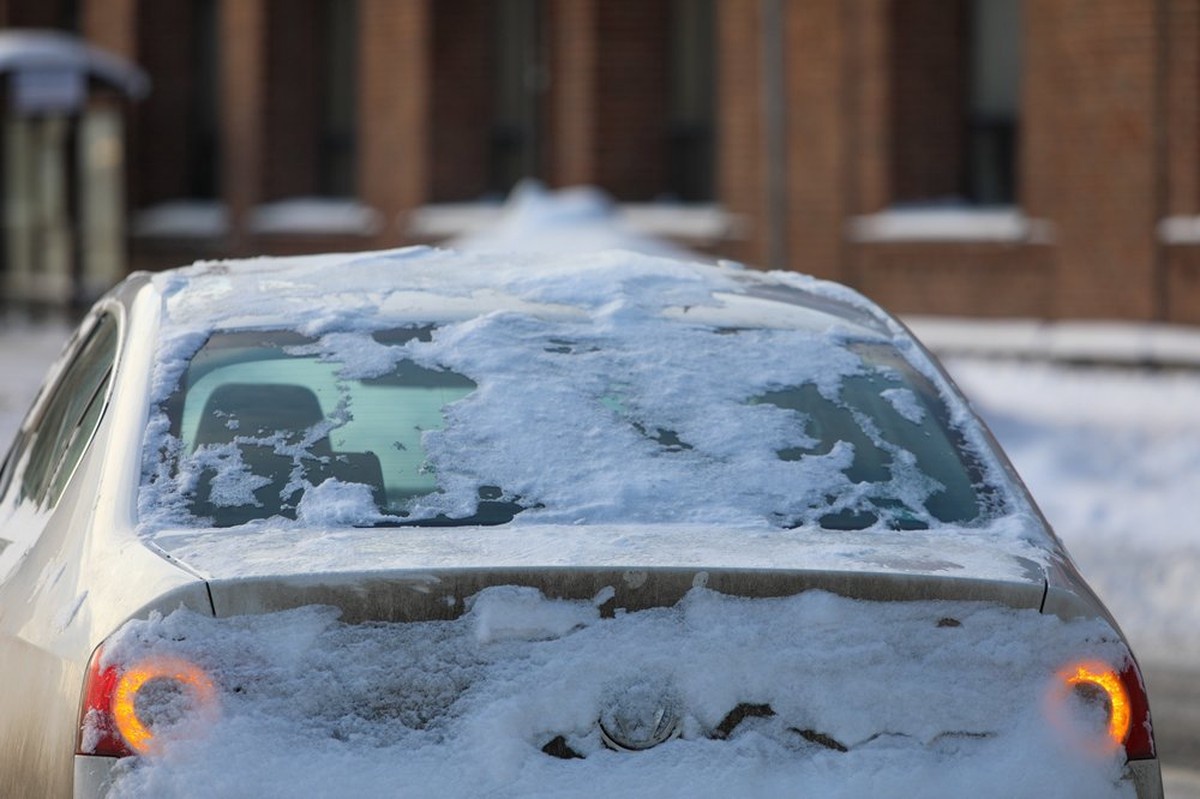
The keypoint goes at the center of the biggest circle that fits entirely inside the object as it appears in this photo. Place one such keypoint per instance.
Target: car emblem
(640, 716)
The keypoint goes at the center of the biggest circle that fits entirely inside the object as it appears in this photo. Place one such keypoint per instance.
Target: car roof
(365, 290)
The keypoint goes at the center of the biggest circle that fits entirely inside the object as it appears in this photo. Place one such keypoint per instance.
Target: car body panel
(1146, 777)
(443, 593)
(85, 574)
(987, 554)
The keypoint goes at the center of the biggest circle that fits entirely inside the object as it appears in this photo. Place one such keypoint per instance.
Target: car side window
(70, 417)
(15, 453)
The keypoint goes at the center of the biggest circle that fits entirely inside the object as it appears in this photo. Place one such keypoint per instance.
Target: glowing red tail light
(124, 711)
(1122, 693)
(1139, 745)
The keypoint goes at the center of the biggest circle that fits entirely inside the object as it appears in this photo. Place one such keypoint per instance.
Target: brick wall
(815, 47)
(980, 279)
(570, 115)
(241, 28)
(1088, 148)
(162, 129)
(463, 70)
(631, 98)
(1183, 107)
(395, 88)
(741, 166)
(295, 61)
(868, 105)
(1109, 133)
(606, 108)
(928, 72)
(1183, 284)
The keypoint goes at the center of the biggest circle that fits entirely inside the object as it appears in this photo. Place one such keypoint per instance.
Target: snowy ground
(26, 351)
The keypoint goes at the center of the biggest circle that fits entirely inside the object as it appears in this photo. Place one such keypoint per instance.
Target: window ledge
(697, 224)
(1003, 225)
(181, 219)
(700, 222)
(209, 219)
(1179, 230)
(320, 216)
(1089, 342)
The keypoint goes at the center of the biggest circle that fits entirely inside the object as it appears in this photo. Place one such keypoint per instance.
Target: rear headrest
(257, 409)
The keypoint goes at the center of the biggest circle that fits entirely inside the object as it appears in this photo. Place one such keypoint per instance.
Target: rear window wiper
(489, 513)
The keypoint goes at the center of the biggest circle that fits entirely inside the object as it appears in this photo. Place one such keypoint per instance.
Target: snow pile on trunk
(931, 699)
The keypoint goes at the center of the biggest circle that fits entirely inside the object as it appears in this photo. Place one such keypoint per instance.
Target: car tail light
(126, 707)
(1121, 696)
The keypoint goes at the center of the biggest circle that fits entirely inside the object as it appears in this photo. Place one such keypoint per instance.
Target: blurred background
(966, 157)
(1020, 180)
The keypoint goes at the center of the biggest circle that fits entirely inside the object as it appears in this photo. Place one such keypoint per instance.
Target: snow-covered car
(436, 524)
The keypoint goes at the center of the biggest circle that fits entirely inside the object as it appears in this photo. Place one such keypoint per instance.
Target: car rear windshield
(512, 417)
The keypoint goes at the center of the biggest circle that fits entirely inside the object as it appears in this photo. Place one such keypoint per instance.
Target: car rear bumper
(93, 776)
(1146, 777)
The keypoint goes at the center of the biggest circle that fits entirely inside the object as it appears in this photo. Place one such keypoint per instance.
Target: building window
(519, 81)
(202, 150)
(506, 70)
(993, 100)
(467, 142)
(690, 127)
(338, 138)
(955, 98)
(175, 152)
(60, 14)
(311, 107)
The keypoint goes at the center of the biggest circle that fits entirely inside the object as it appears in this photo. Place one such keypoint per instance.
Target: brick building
(982, 157)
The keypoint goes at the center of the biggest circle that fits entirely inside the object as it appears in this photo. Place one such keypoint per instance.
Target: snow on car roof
(490, 305)
(363, 291)
(266, 291)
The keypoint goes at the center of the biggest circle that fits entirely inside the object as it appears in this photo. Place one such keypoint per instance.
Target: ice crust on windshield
(932, 699)
(603, 377)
